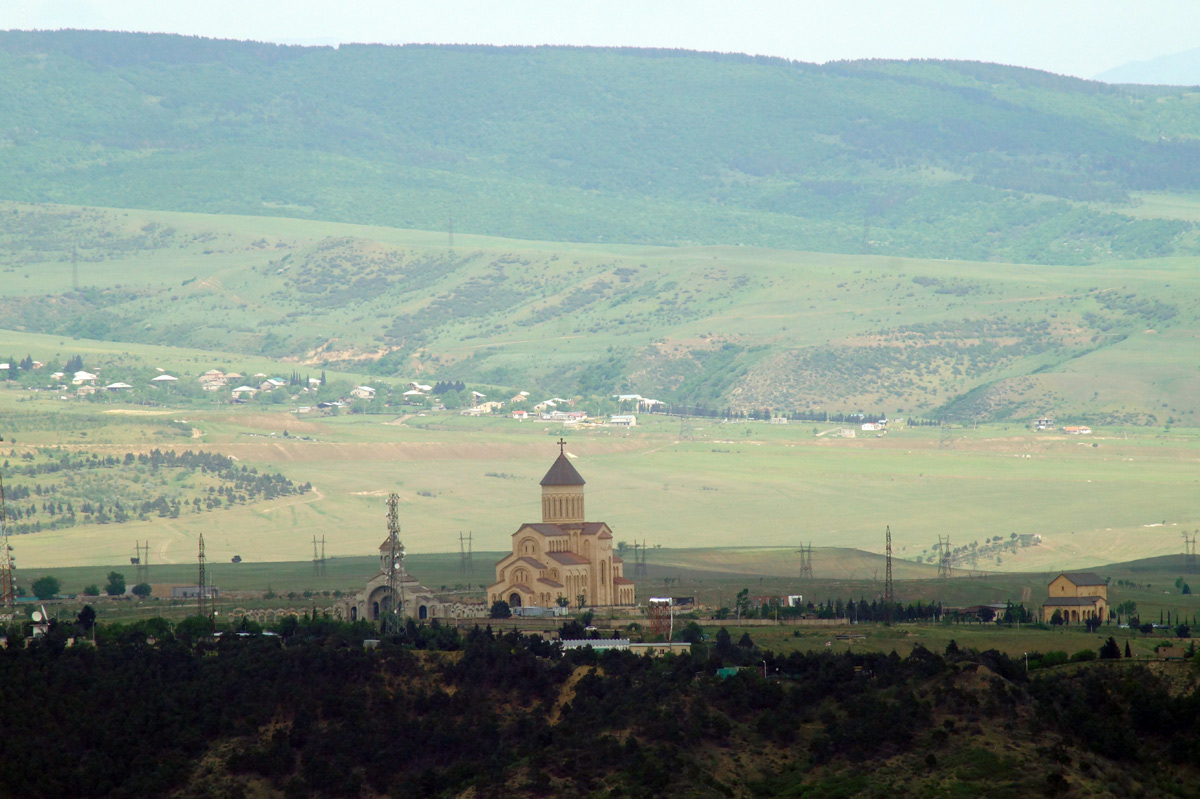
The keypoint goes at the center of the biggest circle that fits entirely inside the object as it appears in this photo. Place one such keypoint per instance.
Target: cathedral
(563, 558)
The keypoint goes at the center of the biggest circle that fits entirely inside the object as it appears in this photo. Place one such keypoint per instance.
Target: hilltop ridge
(924, 159)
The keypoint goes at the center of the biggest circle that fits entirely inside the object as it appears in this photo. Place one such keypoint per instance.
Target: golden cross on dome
(562, 447)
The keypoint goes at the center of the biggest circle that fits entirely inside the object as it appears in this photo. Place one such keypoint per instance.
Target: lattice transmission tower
(203, 606)
(639, 559)
(806, 570)
(141, 560)
(8, 593)
(390, 617)
(889, 594)
(465, 566)
(318, 559)
(945, 564)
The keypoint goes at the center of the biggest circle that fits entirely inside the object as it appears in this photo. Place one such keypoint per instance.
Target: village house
(213, 379)
(1076, 596)
(363, 392)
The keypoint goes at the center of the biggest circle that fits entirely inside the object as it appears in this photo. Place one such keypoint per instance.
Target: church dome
(562, 473)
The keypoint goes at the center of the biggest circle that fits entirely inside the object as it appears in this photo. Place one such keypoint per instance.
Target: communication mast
(1189, 550)
(889, 594)
(203, 606)
(8, 594)
(945, 565)
(390, 615)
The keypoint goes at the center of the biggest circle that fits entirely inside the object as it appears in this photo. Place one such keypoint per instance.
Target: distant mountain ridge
(925, 159)
(1176, 69)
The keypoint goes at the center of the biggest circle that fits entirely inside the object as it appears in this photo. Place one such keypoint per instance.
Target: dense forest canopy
(940, 159)
(433, 712)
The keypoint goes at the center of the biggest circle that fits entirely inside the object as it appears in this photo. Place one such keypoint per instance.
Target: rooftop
(562, 473)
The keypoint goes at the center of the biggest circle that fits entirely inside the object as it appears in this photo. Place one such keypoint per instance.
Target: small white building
(82, 377)
(363, 392)
(623, 420)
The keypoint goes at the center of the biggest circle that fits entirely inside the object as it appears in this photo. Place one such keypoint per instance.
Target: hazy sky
(1073, 37)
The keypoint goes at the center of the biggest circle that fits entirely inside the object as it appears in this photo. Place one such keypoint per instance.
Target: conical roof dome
(562, 473)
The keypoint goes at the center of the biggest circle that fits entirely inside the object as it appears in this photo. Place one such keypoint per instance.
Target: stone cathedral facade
(563, 555)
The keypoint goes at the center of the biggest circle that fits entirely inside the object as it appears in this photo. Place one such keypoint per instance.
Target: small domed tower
(562, 492)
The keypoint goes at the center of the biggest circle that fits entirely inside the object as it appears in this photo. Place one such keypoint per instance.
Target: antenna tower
(1189, 550)
(889, 594)
(316, 560)
(202, 585)
(464, 554)
(945, 566)
(322, 555)
(390, 621)
(8, 595)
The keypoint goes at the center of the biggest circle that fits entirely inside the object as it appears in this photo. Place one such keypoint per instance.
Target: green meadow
(1118, 495)
(983, 347)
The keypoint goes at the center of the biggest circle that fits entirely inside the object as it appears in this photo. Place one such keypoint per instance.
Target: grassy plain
(1115, 496)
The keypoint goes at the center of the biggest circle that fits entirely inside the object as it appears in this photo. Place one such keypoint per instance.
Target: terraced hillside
(718, 327)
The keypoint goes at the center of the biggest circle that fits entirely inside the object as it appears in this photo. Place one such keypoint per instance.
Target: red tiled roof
(524, 589)
(618, 559)
(534, 563)
(568, 558)
(622, 581)
(549, 582)
(546, 529)
(1082, 578)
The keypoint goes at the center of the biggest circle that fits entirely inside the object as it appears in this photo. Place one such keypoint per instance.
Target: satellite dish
(37, 615)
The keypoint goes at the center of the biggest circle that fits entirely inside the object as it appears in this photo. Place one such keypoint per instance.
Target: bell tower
(562, 491)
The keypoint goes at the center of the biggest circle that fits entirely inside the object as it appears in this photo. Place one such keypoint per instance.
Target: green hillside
(927, 159)
(719, 327)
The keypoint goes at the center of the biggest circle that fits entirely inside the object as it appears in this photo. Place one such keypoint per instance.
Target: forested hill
(933, 159)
